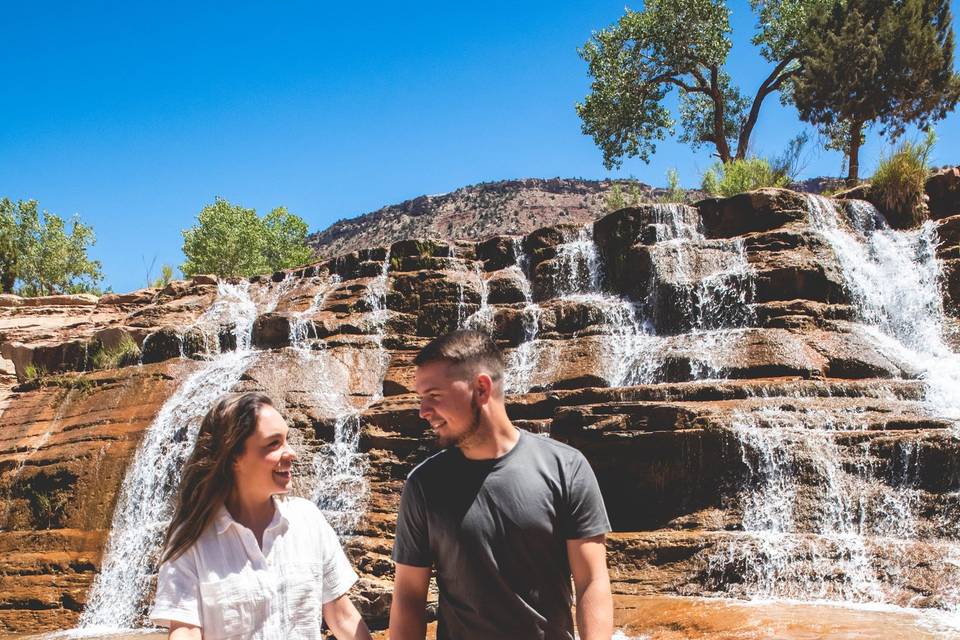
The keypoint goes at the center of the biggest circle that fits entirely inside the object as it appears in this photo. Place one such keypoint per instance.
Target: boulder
(272, 330)
(943, 193)
(498, 252)
(759, 210)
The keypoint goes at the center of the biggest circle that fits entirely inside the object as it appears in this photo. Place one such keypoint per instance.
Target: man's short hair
(470, 352)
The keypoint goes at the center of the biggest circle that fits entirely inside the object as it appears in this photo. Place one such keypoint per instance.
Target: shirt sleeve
(412, 543)
(338, 573)
(586, 514)
(178, 592)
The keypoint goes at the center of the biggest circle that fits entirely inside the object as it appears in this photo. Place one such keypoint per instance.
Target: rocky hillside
(477, 212)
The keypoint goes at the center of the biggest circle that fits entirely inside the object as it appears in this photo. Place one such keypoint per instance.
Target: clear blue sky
(135, 115)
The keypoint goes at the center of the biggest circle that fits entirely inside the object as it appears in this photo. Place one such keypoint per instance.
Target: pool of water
(679, 618)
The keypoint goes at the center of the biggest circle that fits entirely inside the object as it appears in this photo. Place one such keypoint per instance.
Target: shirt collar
(223, 520)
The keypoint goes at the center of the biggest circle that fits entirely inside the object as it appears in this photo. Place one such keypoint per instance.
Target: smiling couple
(504, 517)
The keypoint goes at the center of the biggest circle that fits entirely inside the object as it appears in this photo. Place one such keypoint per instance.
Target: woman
(242, 560)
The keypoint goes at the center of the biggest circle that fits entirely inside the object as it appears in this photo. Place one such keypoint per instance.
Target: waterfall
(523, 360)
(716, 304)
(145, 504)
(708, 286)
(340, 488)
(826, 515)
(301, 326)
(577, 278)
(482, 318)
(892, 278)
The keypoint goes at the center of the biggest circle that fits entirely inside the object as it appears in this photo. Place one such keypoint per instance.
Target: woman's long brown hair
(208, 475)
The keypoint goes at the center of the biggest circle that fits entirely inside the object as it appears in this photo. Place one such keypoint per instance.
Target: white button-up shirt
(225, 584)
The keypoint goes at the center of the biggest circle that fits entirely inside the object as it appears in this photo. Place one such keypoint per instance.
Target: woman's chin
(282, 482)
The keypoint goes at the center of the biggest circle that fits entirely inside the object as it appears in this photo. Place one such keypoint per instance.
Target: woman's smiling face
(264, 467)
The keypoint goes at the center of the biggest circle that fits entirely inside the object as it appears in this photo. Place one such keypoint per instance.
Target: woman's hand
(344, 620)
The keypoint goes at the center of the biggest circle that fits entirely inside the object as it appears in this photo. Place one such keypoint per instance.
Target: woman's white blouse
(225, 584)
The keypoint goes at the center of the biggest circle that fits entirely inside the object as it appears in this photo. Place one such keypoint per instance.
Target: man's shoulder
(547, 446)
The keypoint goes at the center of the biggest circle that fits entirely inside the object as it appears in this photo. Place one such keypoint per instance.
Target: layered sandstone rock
(750, 328)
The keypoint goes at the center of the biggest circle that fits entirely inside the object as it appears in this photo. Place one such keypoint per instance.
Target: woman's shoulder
(293, 507)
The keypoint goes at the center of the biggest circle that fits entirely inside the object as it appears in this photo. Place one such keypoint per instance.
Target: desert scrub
(34, 374)
(618, 199)
(67, 382)
(725, 180)
(898, 186)
(674, 193)
(125, 353)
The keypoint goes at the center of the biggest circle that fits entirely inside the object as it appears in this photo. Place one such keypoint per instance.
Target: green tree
(40, 254)
(230, 240)
(286, 240)
(871, 62)
(683, 45)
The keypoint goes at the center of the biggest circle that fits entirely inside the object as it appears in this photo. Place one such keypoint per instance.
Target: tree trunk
(719, 139)
(853, 155)
(7, 277)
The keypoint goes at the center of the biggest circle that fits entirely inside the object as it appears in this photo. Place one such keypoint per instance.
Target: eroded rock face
(727, 330)
(943, 193)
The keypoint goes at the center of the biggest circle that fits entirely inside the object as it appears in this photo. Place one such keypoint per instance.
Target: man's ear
(484, 388)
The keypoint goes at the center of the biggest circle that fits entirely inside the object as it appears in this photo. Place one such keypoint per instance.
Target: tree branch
(773, 82)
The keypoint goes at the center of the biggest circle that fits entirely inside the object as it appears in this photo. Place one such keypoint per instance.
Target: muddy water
(674, 618)
(669, 618)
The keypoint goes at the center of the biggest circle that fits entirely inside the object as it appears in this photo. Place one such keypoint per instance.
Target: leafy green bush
(675, 193)
(741, 175)
(898, 186)
(618, 199)
(165, 277)
(34, 375)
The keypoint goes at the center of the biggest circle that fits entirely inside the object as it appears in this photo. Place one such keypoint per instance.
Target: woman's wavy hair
(208, 475)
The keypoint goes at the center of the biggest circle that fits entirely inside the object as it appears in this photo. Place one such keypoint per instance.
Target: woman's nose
(290, 453)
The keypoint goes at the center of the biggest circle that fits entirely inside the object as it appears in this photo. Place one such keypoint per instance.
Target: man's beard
(464, 438)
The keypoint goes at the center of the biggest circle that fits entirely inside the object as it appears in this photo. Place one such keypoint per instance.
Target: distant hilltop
(478, 211)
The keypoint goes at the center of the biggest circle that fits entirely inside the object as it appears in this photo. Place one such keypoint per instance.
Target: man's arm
(182, 631)
(344, 620)
(408, 617)
(588, 563)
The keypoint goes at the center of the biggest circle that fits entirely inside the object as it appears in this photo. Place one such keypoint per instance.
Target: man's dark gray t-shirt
(496, 530)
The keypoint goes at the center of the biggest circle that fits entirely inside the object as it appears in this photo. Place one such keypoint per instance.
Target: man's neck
(495, 438)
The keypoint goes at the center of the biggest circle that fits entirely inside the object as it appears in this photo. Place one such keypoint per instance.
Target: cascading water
(714, 305)
(301, 326)
(522, 361)
(578, 278)
(145, 504)
(702, 286)
(482, 318)
(832, 510)
(340, 486)
(892, 278)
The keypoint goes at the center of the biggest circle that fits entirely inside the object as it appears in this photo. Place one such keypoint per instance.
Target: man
(504, 516)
